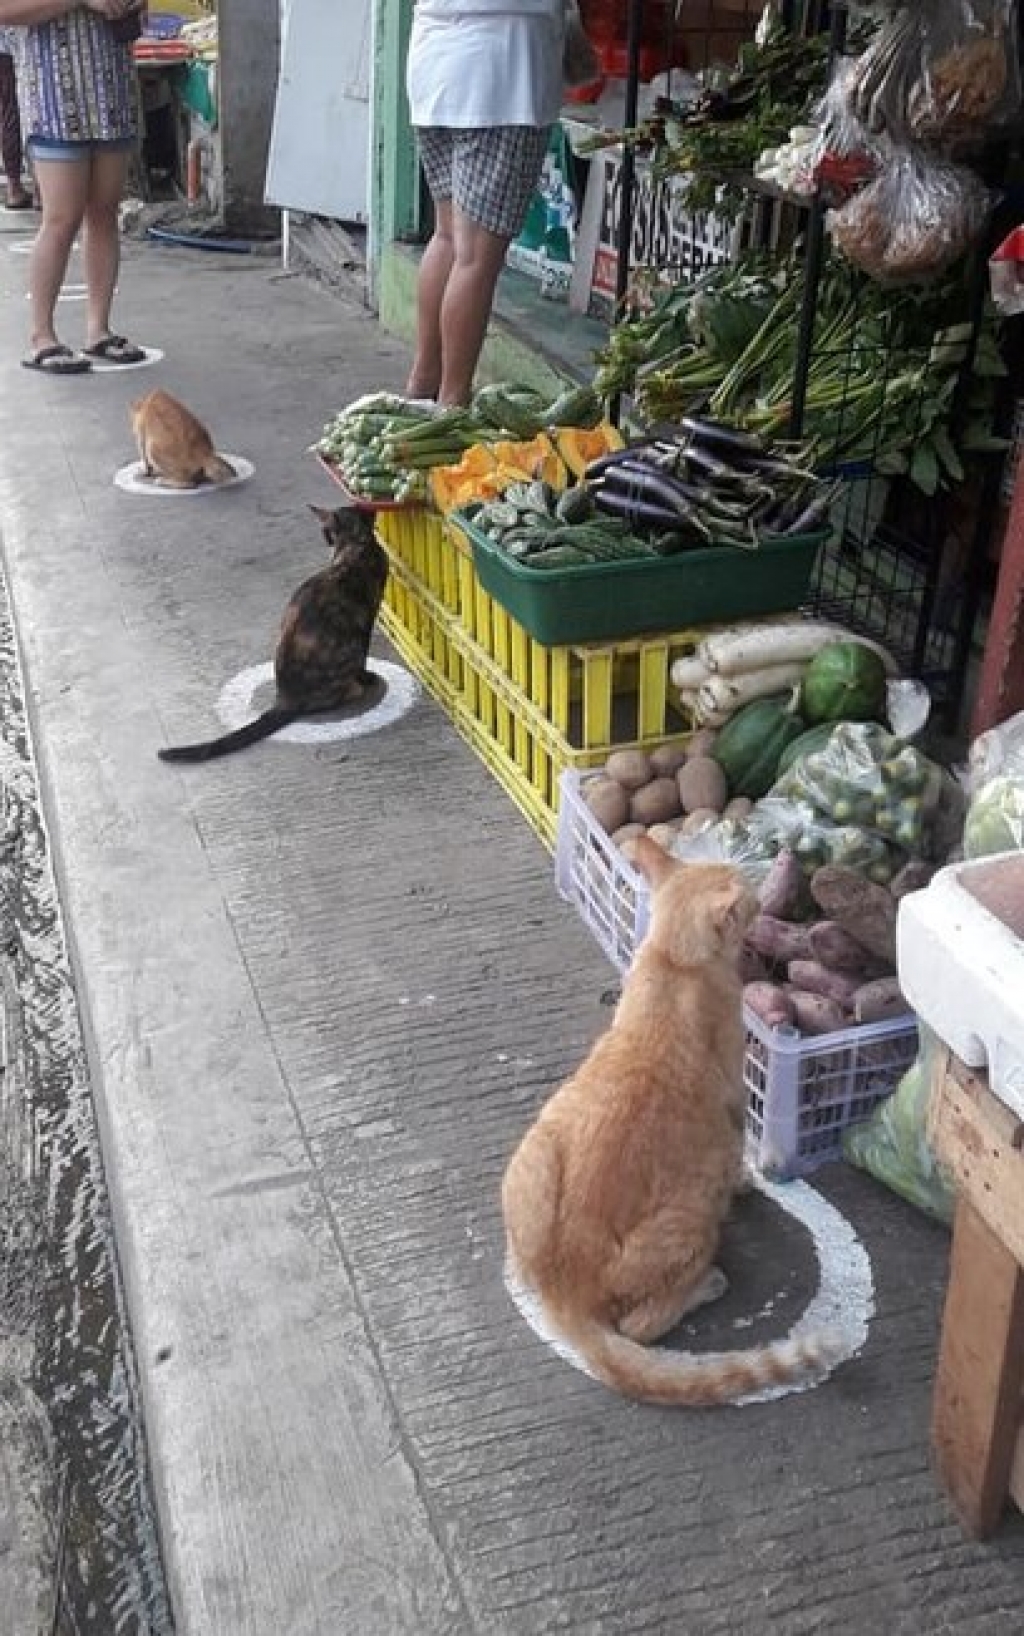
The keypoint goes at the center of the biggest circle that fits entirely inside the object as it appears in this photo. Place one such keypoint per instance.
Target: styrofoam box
(962, 970)
(802, 1090)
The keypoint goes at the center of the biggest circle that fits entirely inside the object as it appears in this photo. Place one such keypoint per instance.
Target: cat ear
(322, 513)
(732, 905)
(653, 862)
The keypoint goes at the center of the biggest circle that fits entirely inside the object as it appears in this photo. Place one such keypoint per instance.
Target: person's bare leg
(63, 186)
(466, 307)
(435, 269)
(102, 249)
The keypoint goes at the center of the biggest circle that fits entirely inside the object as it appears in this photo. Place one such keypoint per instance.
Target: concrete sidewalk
(324, 990)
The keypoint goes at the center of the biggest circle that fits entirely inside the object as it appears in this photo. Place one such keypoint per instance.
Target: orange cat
(615, 1198)
(174, 445)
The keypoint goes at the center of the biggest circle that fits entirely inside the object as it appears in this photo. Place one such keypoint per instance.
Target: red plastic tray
(360, 501)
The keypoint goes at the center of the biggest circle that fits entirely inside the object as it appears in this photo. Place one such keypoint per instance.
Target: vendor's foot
(114, 349)
(18, 198)
(57, 360)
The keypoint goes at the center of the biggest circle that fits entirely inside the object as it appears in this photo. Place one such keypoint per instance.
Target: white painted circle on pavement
(843, 1304)
(132, 480)
(102, 366)
(235, 706)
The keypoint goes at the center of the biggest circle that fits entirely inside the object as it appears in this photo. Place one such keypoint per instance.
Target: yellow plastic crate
(529, 711)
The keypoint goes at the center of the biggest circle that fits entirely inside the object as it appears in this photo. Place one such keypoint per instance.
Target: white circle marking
(235, 706)
(844, 1303)
(103, 366)
(130, 478)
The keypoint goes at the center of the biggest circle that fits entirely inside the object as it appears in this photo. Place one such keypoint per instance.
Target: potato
(701, 783)
(655, 803)
(630, 768)
(627, 832)
(667, 759)
(739, 807)
(701, 743)
(694, 822)
(607, 801)
(878, 1001)
(814, 1014)
(769, 1002)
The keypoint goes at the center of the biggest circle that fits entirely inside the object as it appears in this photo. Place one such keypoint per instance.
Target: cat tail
(655, 1374)
(253, 732)
(218, 470)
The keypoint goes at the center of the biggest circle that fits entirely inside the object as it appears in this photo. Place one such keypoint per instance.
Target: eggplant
(639, 512)
(647, 483)
(728, 439)
(604, 462)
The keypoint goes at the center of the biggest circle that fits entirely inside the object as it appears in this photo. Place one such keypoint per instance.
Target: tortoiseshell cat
(320, 659)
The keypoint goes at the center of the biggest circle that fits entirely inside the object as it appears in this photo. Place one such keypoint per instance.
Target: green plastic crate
(613, 599)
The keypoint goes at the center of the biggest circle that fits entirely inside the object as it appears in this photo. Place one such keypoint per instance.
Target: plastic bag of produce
(863, 777)
(968, 79)
(844, 156)
(1006, 274)
(919, 216)
(893, 1144)
(995, 816)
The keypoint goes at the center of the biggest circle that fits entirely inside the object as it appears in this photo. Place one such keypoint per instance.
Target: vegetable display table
(977, 1438)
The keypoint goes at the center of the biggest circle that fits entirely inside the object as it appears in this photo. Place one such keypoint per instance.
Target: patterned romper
(76, 84)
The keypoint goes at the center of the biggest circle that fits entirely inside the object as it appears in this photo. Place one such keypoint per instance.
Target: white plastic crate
(802, 1090)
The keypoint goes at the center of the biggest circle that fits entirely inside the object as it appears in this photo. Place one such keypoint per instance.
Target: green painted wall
(394, 180)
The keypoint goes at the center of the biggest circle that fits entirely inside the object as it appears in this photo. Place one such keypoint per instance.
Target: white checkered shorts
(489, 175)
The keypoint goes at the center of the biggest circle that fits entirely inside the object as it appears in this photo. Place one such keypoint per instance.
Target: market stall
(680, 600)
(176, 59)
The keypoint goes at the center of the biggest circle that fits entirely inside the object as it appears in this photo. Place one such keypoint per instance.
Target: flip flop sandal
(27, 203)
(114, 349)
(57, 360)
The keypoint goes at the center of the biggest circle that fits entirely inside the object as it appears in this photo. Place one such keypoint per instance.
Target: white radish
(689, 672)
(731, 692)
(743, 648)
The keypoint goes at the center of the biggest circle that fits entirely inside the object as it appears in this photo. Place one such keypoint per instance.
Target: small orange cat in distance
(174, 445)
(615, 1198)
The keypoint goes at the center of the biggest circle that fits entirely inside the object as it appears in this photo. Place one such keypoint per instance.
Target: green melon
(748, 747)
(845, 681)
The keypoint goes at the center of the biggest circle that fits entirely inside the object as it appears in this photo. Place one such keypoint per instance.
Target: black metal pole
(814, 255)
(627, 170)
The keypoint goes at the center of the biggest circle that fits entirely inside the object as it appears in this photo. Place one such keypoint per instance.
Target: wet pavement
(322, 988)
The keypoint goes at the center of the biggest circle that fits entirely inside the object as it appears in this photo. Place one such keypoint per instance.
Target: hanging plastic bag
(893, 1144)
(968, 80)
(845, 157)
(882, 78)
(917, 218)
(995, 780)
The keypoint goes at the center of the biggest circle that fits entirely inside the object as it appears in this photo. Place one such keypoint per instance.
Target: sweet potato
(836, 949)
(754, 968)
(815, 978)
(814, 1014)
(777, 939)
(877, 1001)
(864, 909)
(769, 1002)
(914, 875)
(783, 889)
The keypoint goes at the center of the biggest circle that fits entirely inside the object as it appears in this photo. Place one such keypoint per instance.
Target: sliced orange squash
(578, 446)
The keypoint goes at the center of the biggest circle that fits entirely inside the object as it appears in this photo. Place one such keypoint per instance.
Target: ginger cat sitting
(174, 446)
(615, 1198)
